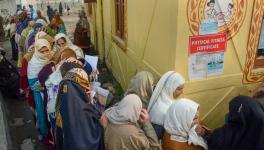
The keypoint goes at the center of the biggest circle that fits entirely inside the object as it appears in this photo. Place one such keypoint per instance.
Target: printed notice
(206, 55)
(208, 27)
(198, 66)
(207, 43)
(215, 64)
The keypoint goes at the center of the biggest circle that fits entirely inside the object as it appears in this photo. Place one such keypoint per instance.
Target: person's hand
(200, 130)
(143, 117)
(72, 59)
(89, 94)
(103, 121)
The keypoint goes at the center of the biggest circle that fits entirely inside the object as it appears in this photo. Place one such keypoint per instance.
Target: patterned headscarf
(79, 76)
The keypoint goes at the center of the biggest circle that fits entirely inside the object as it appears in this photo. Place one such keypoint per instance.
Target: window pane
(119, 18)
(259, 61)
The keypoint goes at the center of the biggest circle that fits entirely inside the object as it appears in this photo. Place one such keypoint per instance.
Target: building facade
(158, 36)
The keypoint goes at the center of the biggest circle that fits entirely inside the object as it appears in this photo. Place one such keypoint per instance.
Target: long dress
(82, 34)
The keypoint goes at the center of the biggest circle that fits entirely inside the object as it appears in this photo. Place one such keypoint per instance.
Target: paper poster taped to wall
(215, 65)
(208, 26)
(198, 66)
(206, 55)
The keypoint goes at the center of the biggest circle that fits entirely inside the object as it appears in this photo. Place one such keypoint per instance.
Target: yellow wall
(158, 34)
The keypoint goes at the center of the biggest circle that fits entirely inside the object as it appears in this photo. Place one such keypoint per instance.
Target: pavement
(18, 122)
(4, 131)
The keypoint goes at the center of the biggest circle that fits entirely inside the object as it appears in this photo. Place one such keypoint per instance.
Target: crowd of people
(55, 79)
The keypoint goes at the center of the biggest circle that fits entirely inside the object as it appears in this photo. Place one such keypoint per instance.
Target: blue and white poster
(208, 27)
(215, 65)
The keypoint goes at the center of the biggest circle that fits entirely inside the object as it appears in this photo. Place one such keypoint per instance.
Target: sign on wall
(206, 55)
(228, 14)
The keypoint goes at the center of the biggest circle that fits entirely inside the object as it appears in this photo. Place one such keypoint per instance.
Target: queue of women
(55, 78)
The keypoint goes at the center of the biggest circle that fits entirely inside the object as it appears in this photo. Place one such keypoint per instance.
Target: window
(90, 9)
(259, 61)
(120, 19)
(254, 68)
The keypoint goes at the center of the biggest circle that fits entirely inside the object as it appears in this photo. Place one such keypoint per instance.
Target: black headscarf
(244, 129)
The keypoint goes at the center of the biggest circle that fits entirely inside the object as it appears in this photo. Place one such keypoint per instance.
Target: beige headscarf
(44, 35)
(141, 85)
(126, 111)
(38, 59)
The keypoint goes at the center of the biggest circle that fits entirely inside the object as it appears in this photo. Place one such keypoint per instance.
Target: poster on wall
(229, 16)
(215, 64)
(208, 26)
(198, 66)
(206, 55)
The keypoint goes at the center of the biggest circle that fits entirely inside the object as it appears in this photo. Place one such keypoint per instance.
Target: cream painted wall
(158, 34)
(215, 92)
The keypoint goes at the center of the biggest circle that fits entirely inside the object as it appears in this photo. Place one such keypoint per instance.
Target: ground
(18, 114)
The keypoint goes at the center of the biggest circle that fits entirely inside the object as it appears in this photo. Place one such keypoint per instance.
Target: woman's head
(242, 109)
(82, 14)
(44, 35)
(37, 27)
(67, 66)
(80, 77)
(174, 85)
(182, 116)
(62, 40)
(127, 111)
(63, 54)
(43, 49)
(142, 85)
(67, 53)
(182, 120)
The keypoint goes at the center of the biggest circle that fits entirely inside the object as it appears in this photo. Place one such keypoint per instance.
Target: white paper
(92, 60)
(198, 66)
(102, 92)
(93, 94)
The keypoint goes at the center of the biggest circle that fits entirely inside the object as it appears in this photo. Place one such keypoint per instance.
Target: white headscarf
(38, 59)
(178, 122)
(78, 51)
(126, 111)
(162, 96)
